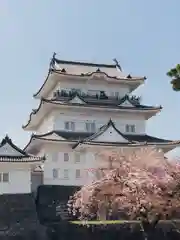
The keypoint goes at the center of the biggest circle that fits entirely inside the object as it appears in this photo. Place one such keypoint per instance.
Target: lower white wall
(54, 159)
(85, 166)
(19, 182)
(89, 162)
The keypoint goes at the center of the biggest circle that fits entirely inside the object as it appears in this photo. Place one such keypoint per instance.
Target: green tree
(174, 74)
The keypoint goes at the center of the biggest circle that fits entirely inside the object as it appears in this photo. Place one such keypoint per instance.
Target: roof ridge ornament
(117, 64)
(53, 60)
(63, 70)
(98, 70)
(78, 96)
(7, 137)
(110, 122)
(5, 140)
(125, 98)
(129, 76)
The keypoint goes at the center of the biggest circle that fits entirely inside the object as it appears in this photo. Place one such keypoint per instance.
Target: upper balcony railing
(101, 95)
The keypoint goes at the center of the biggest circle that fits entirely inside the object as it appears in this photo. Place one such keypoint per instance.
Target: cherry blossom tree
(135, 185)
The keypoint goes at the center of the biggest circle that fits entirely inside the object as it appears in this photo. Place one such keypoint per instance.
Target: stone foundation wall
(18, 217)
(21, 215)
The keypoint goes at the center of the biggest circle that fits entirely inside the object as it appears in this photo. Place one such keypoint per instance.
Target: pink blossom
(135, 182)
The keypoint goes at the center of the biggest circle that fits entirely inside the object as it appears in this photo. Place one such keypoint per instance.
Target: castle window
(78, 173)
(77, 157)
(130, 128)
(55, 173)
(4, 177)
(90, 127)
(66, 173)
(66, 157)
(70, 126)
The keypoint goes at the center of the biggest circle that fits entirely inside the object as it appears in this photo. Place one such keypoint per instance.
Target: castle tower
(86, 108)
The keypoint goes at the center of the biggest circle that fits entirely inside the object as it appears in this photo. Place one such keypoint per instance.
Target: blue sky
(143, 35)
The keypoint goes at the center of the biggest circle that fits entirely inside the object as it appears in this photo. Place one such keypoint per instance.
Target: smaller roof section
(100, 100)
(63, 69)
(106, 136)
(9, 152)
(108, 131)
(81, 67)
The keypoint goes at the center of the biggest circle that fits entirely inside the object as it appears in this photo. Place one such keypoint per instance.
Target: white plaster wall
(46, 125)
(55, 120)
(89, 162)
(19, 182)
(100, 119)
(55, 159)
(99, 85)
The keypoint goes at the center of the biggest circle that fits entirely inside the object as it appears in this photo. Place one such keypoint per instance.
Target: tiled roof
(73, 135)
(131, 140)
(9, 152)
(112, 102)
(78, 136)
(59, 61)
(85, 69)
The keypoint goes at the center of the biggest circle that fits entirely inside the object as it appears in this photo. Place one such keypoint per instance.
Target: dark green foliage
(174, 74)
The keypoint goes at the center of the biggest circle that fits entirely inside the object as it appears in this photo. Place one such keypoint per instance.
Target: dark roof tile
(98, 65)
(102, 101)
(75, 136)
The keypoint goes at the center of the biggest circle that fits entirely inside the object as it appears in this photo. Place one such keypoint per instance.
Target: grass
(111, 222)
(105, 222)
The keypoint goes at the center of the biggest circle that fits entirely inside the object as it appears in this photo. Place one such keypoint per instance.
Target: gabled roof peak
(9, 152)
(63, 70)
(77, 99)
(110, 123)
(103, 129)
(129, 76)
(133, 100)
(5, 140)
